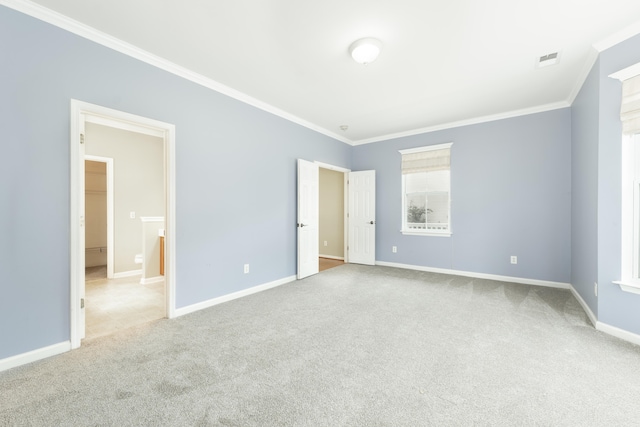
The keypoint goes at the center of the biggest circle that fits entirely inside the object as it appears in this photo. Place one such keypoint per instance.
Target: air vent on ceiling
(548, 59)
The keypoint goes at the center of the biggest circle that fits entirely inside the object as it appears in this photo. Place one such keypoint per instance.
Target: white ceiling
(442, 62)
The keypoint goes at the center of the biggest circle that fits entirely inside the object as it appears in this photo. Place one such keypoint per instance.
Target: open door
(308, 251)
(362, 217)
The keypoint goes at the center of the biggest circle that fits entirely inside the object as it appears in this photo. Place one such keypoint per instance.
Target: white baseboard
(229, 297)
(35, 355)
(605, 327)
(339, 258)
(522, 280)
(600, 326)
(126, 274)
(150, 280)
(592, 317)
(618, 333)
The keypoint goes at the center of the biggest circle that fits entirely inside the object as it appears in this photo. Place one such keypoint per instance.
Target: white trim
(339, 258)
(150, 280)
(426, 148)
(426, 233)
(123, 125)
(522, 280)
(331, 167)
(345, 216)
(592, 317)
(584, 73)
(628, 286)
(466, 122)
(345, 192)
(620, 36)
(61, 21)
(600, 326)
(414, 232)
(34, 355)
(229, 297)
(626, 73)
(79, 113)
(129, 273)
(47, 15)
(110, 204)
(618, 333)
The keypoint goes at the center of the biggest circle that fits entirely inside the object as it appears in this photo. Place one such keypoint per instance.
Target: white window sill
(425, 233)
(628, 286)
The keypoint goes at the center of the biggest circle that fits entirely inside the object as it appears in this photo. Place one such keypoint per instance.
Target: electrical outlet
(132, 215)
(514, 259)
(394, 249)
(325, 243)
(595, 288)
(246, 269)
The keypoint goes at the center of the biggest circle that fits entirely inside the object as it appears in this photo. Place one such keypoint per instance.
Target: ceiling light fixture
(365, 51)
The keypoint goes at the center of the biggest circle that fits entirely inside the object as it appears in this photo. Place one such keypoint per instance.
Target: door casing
(82, 112)
(346, 207)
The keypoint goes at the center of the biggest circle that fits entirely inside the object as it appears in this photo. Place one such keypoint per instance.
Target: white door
(362, 217)
(308, 230)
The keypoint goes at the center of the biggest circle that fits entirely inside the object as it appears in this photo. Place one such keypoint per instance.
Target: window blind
(630, 110)
(426, 161)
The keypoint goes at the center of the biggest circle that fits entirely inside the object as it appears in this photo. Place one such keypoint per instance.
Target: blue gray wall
(584, 186)
(235, 178)
(615, 307)
(510, 190)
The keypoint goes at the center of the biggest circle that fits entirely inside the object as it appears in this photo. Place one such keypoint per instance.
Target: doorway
(359, 216)
(331, 218)
(133, 293)
(84, 116)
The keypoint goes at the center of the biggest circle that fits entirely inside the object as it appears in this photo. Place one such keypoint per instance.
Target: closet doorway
(159, 222)
(118, 203)
(331, 237)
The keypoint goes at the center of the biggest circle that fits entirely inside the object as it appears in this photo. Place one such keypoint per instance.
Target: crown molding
(61, 21)
(467, 122)
(64, 22)
(618, 37)
(584, 73)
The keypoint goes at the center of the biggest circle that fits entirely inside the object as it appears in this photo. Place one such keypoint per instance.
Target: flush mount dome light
(365, 51)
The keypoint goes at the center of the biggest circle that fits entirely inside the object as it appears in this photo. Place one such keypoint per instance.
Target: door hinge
(81, 302)
(347, 214)
(81, 138)
(347, 248)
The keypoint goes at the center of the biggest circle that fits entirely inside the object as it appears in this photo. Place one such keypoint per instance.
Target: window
(631, 213)
(630, 116)
(426, 190)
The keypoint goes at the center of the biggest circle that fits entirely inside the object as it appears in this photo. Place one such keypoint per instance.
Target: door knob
(372, 222)
(302, 225)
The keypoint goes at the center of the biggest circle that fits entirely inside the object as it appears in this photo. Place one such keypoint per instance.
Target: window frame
(630, 224)
(427, 232)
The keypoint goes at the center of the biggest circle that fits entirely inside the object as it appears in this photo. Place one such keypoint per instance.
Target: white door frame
(80, 113)
(110, 203)
(345, 173)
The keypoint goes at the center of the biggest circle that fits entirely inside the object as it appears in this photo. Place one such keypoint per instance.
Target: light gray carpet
(352, 346)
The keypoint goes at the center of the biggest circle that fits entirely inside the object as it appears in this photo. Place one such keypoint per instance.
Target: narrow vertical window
(630, 117)
(426, 190)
